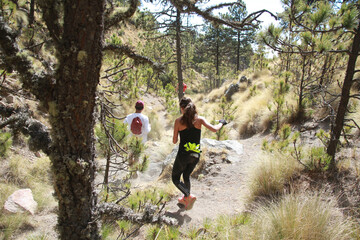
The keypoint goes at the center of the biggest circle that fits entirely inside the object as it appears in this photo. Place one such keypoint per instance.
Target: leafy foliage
(280, 111)
(5, 143)
(153, 196)
(225, 110)
(118, 131)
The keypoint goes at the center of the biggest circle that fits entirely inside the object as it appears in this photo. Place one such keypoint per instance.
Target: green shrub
(225, 110)
(163, 233)
(18, 171)
(11, 223)
(153, 196)
(5, 143)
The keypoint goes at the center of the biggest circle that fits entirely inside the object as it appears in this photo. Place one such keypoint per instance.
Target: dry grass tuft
(157, 127)
(217, 93)
(253, 115)
(300, 217)
(260, 74)
(10, 223)
(34, 175)
(268, 175)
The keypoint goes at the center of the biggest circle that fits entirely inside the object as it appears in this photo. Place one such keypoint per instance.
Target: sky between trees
(273, 6)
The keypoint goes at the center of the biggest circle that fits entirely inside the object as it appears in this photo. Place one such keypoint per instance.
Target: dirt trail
(217, 194)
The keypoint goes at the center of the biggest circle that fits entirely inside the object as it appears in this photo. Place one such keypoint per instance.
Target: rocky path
(218, 193)
(221, 192)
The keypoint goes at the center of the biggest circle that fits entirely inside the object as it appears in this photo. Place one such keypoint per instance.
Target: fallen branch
(117, 212)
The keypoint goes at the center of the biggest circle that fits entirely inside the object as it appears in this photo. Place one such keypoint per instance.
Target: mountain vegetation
(71, 71)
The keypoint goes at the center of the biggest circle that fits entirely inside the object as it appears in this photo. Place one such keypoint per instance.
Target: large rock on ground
(233, 88)
(243, 79)
(229, 151)
(234, 149)
(20, 201)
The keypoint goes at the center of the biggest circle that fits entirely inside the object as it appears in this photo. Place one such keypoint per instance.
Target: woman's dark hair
(189, 112)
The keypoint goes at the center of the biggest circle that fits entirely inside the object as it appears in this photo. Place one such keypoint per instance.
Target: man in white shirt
(138, 123)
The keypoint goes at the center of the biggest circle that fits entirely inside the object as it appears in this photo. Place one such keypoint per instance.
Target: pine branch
(40, 84)
(221, 5)
(117, 212)
(187, 6)
(51, 17)
(20, 120)
(121, 16)
(138, 59)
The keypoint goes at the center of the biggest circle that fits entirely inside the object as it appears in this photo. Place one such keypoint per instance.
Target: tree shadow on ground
(179, 216)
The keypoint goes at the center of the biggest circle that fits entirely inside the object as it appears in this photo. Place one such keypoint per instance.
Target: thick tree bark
(344, 100)
(72, 119)
(32, 11)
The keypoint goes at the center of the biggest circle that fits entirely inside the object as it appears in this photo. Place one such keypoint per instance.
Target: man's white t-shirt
(145, 129)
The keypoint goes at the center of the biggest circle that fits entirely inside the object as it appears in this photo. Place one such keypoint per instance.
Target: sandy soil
(219, 193)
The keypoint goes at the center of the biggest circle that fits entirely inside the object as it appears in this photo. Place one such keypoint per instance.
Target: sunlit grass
(163, 232)
(10, 224)
(268, 175)
(157, 127)
(217, 93)
(253, 115)
(41, 236)
(300, 217)
(34, 175)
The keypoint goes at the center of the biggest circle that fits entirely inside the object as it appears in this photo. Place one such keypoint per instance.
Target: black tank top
(191, 135)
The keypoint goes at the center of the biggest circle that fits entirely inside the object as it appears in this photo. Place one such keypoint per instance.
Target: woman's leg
(178, 169)
(188, 170)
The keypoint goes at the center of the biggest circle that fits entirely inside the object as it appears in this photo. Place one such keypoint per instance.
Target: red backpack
(136, 126)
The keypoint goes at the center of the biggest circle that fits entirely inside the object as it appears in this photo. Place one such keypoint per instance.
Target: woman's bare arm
(213, 128)
(176, 131)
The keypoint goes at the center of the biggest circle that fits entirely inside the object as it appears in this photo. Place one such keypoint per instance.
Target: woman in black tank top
(189, 128)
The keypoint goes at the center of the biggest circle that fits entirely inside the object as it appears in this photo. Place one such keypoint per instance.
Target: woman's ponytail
(189, 112)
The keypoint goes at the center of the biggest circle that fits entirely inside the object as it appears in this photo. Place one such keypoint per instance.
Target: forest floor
(220, 193)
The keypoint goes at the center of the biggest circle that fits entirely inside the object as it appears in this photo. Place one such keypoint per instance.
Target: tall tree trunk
(287, 68)
(106, 174)
(325, 69)
(344, 100)
(32, 11)
(238, 52)
(72, 119)
(178, 55)
(301, 90)
(217, 67)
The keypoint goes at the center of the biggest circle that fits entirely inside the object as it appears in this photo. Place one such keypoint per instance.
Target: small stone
(10, 99)
(20, 201)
